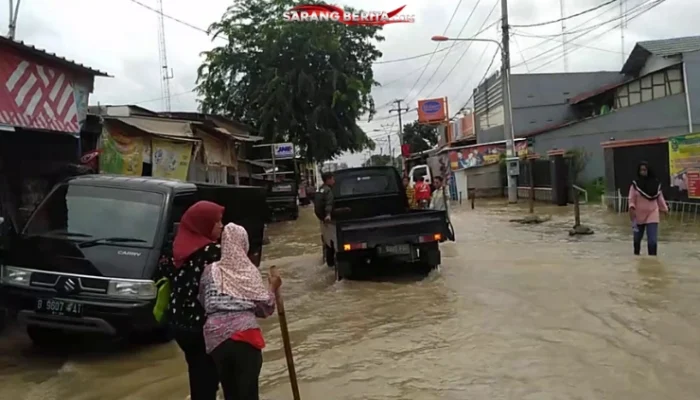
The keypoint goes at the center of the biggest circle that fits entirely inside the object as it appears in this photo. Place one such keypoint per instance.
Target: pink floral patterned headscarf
(235, 275)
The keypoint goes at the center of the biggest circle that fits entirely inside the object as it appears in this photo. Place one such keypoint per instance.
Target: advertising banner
(482, 155)
(171, 159)
(121, 154)
(684, 163)
(432, 110)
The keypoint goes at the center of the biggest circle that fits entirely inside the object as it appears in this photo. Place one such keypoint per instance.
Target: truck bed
(402, 228)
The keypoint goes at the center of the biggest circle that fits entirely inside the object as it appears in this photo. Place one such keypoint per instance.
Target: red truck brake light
(354, 246)
(436, 237)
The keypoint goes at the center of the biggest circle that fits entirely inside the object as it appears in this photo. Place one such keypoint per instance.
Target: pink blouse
(646, 211)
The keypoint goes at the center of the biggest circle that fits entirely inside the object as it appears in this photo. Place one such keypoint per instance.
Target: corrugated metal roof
(661, 48)
(163, 127)
(672, 47)
(27, 48)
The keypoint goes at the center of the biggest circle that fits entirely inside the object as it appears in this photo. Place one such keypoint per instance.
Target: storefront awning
(176, 130)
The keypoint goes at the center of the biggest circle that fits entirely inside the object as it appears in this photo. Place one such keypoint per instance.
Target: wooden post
(531, 174)
(577, 210)
(287, 345)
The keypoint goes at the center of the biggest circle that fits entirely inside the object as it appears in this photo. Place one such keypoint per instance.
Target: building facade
(656, 94)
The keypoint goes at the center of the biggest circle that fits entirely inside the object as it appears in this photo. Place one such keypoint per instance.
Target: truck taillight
(436, 237)
(354, 246)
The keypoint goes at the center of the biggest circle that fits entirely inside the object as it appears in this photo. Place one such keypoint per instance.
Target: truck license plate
(397, 249)
(59, 307)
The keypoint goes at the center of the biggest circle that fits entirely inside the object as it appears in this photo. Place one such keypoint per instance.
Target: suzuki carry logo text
(322, 12)
(129, 253)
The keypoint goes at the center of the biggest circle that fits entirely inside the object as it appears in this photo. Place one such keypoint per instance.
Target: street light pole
(512, 164)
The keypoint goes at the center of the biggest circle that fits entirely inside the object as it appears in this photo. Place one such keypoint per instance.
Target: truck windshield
(81, 213)
(364, 182)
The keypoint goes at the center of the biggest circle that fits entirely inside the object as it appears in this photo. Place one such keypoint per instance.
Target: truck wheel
(329, 255)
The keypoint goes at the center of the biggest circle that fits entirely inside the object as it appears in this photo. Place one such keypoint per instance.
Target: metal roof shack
(41, 90)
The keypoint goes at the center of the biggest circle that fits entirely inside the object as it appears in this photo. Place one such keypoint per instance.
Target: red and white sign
(330, 13)
(35, 96)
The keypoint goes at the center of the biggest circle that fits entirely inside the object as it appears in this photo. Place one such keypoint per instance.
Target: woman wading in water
(645, 202)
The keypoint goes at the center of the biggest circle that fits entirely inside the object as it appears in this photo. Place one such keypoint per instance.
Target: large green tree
(420, 137)
(304, 82)
(377, 159)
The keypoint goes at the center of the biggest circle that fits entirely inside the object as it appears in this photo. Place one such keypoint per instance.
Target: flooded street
(515, 312)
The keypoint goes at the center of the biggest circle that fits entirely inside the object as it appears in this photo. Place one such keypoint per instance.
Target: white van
(418, 171)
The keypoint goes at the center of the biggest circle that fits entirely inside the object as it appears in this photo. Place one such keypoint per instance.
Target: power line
(410, 57)
(640, 13)
(179, 21)
(465, 51)
(565, 18)
(437, 46)
(452, 45)
(590, 29)
(493, 59)
(550, 39)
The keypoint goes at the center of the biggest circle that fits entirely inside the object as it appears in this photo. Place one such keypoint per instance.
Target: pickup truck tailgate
(393, 229)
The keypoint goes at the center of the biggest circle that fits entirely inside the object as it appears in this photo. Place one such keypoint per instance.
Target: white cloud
(121, 37)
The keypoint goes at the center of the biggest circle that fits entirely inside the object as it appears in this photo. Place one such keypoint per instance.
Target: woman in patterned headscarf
(233, 294)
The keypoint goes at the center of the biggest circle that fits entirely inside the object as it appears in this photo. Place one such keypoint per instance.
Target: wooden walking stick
(287, 343)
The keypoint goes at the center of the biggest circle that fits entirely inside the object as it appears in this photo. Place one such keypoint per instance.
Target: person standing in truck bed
(324, 198)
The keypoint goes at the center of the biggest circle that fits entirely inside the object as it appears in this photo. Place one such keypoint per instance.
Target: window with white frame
(650, 87)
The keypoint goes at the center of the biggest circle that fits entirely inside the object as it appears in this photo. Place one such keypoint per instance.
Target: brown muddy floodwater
(516, 312)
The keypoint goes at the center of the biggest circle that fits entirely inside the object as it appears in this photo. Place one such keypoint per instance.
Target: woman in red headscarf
(194, 247)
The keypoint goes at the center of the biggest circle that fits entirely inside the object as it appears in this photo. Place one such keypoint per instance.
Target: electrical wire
(410, 57)
(436, 49)
(640, 13)
(452, 45)
(464, 53)
(549, 39)
(486, 74)
(636, 11)
(590, 29)
(578, 14)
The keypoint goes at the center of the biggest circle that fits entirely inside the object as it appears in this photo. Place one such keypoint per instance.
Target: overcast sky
(121, 38)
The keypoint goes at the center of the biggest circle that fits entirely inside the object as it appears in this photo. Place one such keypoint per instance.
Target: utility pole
(12, 26)
(511, 157)
(399, 110)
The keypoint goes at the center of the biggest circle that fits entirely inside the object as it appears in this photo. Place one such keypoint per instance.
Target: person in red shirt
(422, 193)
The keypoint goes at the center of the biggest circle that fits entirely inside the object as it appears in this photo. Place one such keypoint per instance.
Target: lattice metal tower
(166, 73)
(564, 42)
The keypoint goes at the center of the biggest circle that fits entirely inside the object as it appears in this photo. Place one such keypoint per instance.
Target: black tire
(329, 255)
(47, 338)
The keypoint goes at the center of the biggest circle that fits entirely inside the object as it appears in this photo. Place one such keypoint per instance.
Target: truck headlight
(15, 276)
(130, 289)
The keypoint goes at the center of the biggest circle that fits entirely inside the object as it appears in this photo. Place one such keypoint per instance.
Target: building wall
(692, 69)
(655, 63)
(659, 118)
(539, 100)
(41, 95)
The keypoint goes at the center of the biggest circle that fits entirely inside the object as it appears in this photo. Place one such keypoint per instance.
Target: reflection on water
(515, 312)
